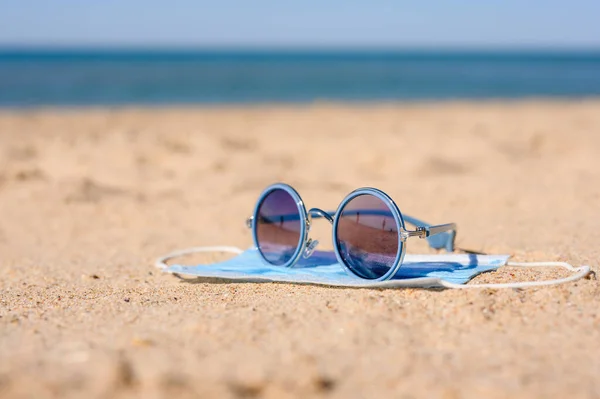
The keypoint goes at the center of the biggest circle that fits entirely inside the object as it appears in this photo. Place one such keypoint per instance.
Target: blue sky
(308, 23)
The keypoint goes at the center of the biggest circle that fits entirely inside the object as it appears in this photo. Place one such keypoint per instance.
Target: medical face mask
(322, 268)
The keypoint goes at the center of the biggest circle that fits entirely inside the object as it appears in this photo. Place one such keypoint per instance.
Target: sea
(114, 77)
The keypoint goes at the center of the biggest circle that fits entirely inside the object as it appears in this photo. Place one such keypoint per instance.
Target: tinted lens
(278, 227)
(367, 236)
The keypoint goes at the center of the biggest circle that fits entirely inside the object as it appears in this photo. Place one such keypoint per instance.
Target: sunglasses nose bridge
(311, 244)
(317, 212)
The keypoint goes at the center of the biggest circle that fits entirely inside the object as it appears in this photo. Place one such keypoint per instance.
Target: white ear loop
(580, 272)
(161, 262)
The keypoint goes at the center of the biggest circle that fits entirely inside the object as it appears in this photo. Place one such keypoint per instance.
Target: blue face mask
(322, 267)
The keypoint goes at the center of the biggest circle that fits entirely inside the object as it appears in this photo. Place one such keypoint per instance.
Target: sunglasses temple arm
(440, 228)
(438, 237)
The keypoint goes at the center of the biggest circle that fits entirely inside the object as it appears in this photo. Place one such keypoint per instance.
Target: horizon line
(168, 48)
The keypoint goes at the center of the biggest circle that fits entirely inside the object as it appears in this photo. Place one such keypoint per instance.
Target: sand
(90, 197)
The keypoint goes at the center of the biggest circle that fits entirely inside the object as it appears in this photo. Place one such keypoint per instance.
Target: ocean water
(111, 77)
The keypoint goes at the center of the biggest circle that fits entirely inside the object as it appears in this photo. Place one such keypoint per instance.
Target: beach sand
(90, 197)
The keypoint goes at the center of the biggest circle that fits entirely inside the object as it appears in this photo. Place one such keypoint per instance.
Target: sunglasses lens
(367, 236)
(278, 227)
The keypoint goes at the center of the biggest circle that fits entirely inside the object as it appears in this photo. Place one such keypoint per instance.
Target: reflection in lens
(367, 236)
(278, 227)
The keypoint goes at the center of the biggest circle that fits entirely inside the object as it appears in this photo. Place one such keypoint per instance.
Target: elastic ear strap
(161, 262)
(579, 272)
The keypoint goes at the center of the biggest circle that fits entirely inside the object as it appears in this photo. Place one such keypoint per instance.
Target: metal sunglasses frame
(438, 236)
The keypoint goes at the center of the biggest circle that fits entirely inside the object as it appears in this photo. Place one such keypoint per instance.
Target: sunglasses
(369, 234)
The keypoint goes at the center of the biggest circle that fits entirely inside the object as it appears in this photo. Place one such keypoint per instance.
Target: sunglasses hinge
(420, 232)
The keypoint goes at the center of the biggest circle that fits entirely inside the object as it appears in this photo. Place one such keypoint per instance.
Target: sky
(307, 23)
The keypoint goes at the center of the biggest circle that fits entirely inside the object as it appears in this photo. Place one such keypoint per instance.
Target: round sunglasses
(369, 234)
